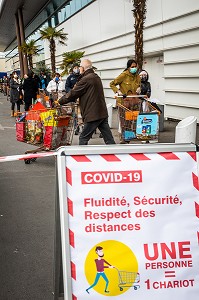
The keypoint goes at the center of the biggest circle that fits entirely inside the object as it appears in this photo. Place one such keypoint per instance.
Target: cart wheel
(27, 161)
(135, 287)
(121, 289)
(33, 159)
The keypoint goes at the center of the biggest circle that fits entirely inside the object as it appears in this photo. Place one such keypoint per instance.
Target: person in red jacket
(92, 104)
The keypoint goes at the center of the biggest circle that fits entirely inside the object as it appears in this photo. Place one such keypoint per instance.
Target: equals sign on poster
(170, 274)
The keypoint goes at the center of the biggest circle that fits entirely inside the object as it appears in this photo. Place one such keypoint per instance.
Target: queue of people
(84, 85)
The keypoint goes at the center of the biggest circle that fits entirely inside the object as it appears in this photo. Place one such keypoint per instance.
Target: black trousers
(89, 129)
(13, 105)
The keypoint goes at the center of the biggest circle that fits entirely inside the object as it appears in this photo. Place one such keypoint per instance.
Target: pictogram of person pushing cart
(100, 266)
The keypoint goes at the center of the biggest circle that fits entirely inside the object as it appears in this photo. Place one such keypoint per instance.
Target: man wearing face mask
(128, 82)
(55, 88)
(72, 78)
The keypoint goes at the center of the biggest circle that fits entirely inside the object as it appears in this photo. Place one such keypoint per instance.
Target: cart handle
(133, 96)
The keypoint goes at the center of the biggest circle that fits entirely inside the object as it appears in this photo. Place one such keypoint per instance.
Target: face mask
(15, 76)
(133, 70)
(143, 78)
(56, 79)
(76, 71)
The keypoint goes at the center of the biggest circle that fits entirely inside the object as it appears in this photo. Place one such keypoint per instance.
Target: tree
(139, 13)
(30, 49)
(51, 34)
(41, 67)
(69, 58)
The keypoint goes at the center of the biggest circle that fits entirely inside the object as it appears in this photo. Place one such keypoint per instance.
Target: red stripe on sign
(197, 209)
(195, 181)
(192, 154)
(68, 176)
(139, 156)
(169, 155)
(72, 238)
(81, 158)
(70, 207)
(110, 157)
(198, 237)
(73, 270)
(74, 297)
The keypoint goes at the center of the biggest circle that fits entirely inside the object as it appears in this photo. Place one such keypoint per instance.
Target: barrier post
(58, 269)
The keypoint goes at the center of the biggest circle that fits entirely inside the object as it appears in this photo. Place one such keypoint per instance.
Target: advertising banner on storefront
(129, 222)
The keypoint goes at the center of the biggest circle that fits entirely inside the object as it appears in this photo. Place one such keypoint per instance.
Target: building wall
(105, 31)
(2, 64)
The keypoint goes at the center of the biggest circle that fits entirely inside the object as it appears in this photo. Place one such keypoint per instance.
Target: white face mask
(15, 76)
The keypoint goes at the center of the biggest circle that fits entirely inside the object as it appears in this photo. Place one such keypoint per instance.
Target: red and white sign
(133, 225)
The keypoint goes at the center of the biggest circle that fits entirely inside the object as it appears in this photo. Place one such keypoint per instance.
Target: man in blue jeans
(100, 266)
(92, 104)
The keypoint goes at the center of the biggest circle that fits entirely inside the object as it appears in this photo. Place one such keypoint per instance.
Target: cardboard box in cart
(147, 125)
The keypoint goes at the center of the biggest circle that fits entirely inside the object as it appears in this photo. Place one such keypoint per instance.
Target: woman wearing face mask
(146, 87)
(72, 78)
(55, 88)
(127, 83)
(15, 89)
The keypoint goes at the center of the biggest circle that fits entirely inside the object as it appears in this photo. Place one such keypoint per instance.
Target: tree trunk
(52, 56)
(139, 12)
(30, 62)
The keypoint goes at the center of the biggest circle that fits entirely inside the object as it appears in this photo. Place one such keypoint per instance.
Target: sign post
(129, 218)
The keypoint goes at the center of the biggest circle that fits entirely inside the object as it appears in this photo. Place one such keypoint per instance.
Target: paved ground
(27, 219)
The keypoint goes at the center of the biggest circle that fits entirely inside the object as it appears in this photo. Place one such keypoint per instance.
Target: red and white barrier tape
(26, 156)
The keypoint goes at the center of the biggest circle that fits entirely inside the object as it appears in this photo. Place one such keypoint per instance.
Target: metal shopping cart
(128, 279)
(130, 110)
(48, 128)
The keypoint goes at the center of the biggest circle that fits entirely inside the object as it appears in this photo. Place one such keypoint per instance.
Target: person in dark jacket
(72, 78)
(145, 88)
(30, 88)
(92, 104)
(15, 88)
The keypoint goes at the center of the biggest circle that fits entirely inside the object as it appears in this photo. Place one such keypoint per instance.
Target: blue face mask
(56, 79)
(133, 70)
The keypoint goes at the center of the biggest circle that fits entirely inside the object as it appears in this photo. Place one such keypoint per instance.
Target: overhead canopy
(8, 9)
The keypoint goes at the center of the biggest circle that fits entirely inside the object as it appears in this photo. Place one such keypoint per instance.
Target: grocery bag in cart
(58, 129)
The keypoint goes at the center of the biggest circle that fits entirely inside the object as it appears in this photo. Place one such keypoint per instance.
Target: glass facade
(55, 13)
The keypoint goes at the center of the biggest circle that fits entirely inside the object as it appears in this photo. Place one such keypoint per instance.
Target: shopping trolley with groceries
(45, 126)
(138, 119)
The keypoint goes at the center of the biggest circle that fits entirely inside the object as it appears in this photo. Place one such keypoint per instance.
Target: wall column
(19, 44)
(22, 35)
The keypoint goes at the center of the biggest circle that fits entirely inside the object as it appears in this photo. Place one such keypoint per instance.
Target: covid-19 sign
(132, 220)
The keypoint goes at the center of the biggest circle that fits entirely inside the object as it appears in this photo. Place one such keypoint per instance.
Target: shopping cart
(128, 279)
(48, 128)
(129, 111)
